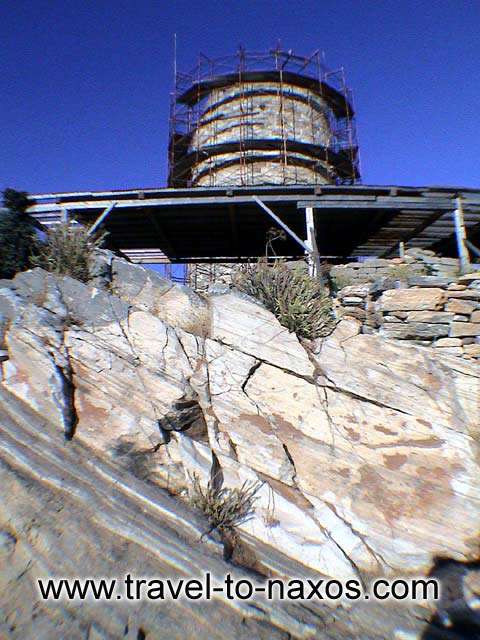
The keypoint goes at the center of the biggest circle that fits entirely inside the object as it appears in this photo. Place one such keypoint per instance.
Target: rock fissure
(375, 554)
(295, 374)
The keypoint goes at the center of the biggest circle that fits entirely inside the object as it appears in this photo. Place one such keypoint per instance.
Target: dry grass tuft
(300, 302)
(68, 250)
(224, 508)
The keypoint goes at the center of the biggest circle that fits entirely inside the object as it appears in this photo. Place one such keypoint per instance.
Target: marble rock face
(367, 448)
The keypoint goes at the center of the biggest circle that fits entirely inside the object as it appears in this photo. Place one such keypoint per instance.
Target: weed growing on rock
(224, 508)
(68, 250)
(300, 302)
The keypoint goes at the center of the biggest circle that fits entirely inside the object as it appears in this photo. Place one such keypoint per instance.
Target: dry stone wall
(416, 262)
(439, 310)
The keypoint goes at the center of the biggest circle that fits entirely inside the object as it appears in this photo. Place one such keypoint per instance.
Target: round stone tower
(262, 119)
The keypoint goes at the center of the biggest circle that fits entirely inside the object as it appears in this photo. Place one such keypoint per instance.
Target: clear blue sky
(84, 85)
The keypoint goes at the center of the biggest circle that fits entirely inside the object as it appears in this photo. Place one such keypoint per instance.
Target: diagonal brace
(285, 227)
(100, 219)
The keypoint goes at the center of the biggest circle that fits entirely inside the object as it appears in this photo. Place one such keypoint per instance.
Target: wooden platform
(226, 224)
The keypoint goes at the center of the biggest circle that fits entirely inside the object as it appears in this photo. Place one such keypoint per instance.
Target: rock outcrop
(367, 448)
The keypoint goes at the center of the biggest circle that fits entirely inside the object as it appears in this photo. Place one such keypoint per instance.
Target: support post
(312, 255)
(461, 236)
(100, 219)
(64, 215)
(401, 249)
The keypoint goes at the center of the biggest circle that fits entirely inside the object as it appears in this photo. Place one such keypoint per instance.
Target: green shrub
(341, 280)
(224, 508)
(404, 272)
(68, 250)
(299, 301)
(17, 234)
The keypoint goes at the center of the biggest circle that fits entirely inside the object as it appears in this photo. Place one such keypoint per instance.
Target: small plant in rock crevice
(300, 302)
(68, 250)
(224, 508)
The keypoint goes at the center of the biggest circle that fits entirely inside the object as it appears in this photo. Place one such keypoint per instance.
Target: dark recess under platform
(212, 224)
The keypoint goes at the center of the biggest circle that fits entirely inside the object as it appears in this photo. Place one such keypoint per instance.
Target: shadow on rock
(455, 618)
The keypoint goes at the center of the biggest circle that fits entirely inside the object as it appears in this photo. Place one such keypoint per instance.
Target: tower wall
(263, 121)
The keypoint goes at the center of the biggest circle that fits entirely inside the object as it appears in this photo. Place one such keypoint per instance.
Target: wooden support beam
(100, 219)
(282, 224)
(461, 236)
(430, 219)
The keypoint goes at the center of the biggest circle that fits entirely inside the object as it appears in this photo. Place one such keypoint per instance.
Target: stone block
(419, 253)
(433, 317)
(355, 312)
(472, 350)
(460, 329)
(448, 342)
(460, 318)
(467, 294)
(468, 278)
(460, 306)
(354, 290)
(382, 284)
(457, 287)
(429, 281)
(475, 317)
(414, 330)
(412, 299)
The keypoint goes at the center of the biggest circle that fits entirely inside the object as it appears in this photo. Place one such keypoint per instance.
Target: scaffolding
(218, 135)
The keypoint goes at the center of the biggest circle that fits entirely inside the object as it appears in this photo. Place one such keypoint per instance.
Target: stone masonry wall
(415, 262)
(202, 275)
(252, 112)
(439, 311)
